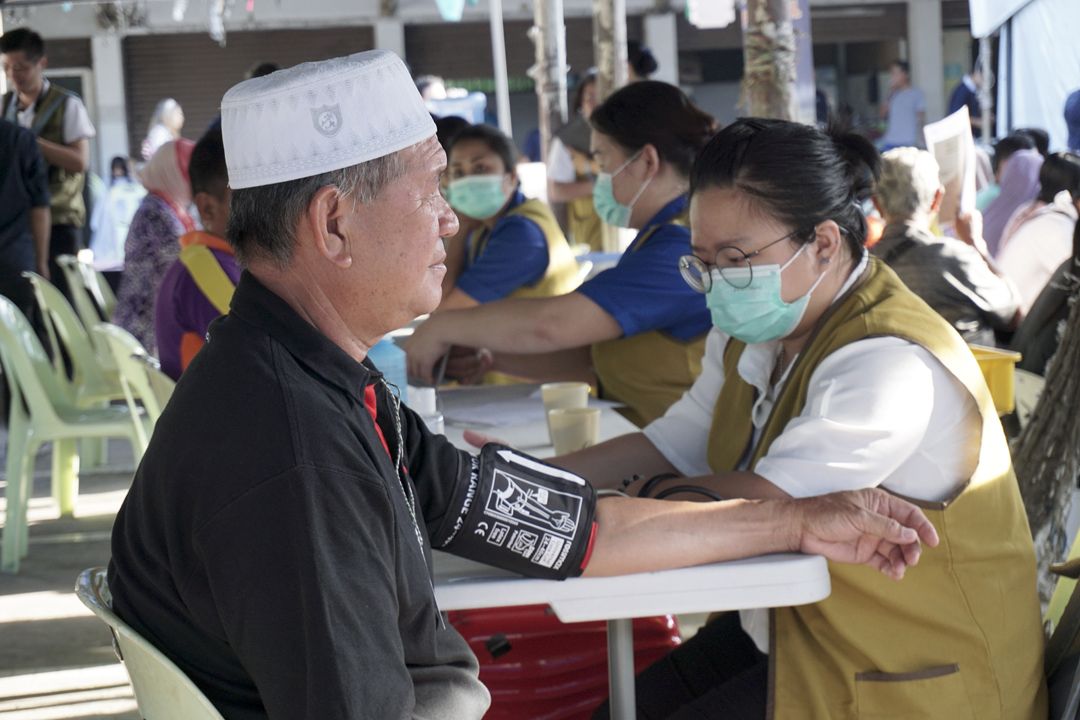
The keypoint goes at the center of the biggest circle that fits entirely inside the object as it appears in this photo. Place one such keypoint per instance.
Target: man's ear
(204, 203)
(326, 220)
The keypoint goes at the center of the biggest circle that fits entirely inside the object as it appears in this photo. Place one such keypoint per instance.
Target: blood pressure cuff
(521, 514)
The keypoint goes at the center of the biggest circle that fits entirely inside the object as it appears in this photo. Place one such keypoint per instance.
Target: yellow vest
(584, 224)
(651, 370)
(561, 275)
(560, 278)
(960, 636)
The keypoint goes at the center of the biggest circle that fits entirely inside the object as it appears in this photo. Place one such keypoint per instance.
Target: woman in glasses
(824, 372)
(636, 330)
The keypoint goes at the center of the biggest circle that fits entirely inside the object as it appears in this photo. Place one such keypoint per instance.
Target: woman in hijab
(1019, 186)
(153, 238)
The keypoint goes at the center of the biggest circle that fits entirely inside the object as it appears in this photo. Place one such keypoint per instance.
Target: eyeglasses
(737, 270)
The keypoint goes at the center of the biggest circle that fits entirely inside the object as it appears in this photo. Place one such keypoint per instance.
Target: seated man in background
(954, 277)
(199, 284)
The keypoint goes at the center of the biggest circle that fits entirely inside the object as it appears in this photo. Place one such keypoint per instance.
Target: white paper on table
(500, 406)
(950, 141)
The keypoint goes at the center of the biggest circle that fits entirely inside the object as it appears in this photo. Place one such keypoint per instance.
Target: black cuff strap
(520, 514)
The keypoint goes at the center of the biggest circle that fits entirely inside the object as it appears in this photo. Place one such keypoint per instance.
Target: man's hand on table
(868, 527)
(468, 365)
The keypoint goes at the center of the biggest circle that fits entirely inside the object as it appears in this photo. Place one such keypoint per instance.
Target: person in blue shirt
(516, 248)
(635, 330)
(966, 93)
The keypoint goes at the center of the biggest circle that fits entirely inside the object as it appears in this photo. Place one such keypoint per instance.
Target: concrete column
(111, 120)
(925, 54)
(661, 37)
(390, 35)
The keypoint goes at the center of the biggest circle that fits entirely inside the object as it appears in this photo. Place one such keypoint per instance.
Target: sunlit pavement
(56, 658)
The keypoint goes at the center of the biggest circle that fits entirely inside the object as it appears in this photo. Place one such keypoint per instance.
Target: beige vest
(960, 636)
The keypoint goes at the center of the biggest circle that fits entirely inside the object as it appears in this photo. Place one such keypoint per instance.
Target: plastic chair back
(81, 297)
(99, 289)
(25, 359)
(162, 690)
(62, 322)
(132, 361)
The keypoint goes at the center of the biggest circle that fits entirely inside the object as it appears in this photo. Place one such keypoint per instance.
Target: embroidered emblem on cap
(327, 119)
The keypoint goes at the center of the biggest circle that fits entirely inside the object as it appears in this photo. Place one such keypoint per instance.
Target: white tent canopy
(1038, 61)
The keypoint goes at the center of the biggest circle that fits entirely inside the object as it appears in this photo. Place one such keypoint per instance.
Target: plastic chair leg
(65, 475)
(16, 503)
(26, 492)
(93, 452)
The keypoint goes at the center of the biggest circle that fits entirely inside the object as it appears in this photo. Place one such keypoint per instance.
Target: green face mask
(607, 207)
(478, 196)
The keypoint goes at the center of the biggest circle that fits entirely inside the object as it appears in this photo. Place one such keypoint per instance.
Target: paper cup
(573, 429)
(561, 395)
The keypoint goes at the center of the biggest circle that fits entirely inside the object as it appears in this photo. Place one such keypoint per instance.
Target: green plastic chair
(162, 690)
(83, 300)
(41, 410)
(91, 383)
(100, 289)
(140, 376)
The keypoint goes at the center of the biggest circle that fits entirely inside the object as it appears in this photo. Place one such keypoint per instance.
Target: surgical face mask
(607, 207)
(757, 312)
(478, 196)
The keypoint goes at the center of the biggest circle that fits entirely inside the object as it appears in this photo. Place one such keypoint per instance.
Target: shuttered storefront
(195, 71)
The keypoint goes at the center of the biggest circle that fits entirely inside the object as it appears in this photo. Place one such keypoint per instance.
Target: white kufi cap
(321, 116)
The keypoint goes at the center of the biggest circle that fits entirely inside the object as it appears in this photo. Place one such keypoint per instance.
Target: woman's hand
(868, 527)
(424, 349)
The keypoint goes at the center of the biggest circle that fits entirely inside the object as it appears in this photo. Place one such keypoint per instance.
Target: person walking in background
(165, 125)
(153, 239)
(24, 214)
(966, 94)
(1072, 120)
(904, 111)
(111, 219)
(572, 171)
(59, 120)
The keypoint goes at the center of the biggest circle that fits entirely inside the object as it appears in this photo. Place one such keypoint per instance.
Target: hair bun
(862, 159)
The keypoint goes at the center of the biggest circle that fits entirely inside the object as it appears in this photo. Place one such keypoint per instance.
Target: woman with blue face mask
(516, 248)
(637, 331)
(824, 372)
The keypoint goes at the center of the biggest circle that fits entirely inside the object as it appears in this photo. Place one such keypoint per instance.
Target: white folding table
(759, 582)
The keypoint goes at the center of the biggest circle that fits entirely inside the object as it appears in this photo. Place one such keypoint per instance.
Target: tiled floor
(56, 659)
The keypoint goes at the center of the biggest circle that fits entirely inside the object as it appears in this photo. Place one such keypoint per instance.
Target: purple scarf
(1019, 185)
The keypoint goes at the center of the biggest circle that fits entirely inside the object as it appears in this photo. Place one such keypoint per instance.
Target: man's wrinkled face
(22, 72)
(396, 241)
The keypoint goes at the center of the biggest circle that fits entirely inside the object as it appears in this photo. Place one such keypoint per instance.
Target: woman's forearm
(606, 465)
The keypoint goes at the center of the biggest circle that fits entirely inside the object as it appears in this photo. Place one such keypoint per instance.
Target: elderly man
(276, 539)
(955, 277)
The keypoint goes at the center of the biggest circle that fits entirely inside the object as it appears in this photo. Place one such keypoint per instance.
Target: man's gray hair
(263, 220)
(909, 180)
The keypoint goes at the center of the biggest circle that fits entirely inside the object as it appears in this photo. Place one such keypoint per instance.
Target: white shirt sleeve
(77, 123)
(682, 434)
(560, 165)
(880, 411)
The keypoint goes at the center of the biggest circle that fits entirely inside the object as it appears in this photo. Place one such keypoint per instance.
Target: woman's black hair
(655, 113)
(447, 128)
(120, 162)
(641, 59)
(495, 140)
(587, 79)
(1040, 137)
(796, 173)
(1060, 171)
(1007, 146)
